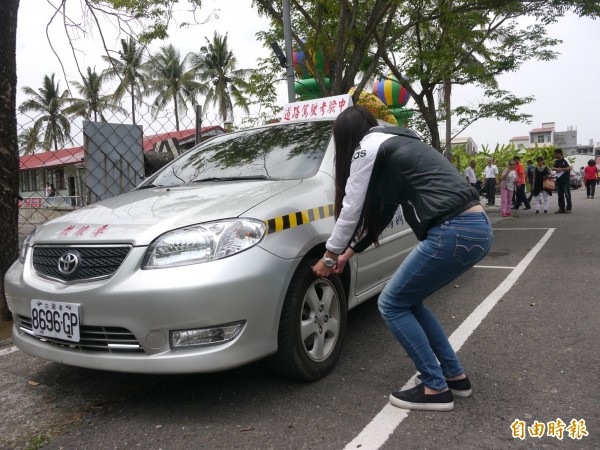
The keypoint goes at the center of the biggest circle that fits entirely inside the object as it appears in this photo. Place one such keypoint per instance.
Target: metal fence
(62, 170)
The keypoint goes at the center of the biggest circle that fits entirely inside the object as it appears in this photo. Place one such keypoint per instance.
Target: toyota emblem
(68, 263)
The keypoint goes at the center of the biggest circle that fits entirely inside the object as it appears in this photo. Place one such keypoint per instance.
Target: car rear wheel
(312, 326)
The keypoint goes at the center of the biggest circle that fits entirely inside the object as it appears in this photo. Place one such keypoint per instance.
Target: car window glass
(287, 151)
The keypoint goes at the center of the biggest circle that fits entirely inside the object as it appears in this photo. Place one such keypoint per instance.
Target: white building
(467, 142)
(542, 136)
(520, 142)
(546, 136)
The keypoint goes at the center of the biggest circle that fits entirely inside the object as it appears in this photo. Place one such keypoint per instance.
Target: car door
(377, 264)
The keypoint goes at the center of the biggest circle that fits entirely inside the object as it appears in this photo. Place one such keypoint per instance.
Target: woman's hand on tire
(321, 270)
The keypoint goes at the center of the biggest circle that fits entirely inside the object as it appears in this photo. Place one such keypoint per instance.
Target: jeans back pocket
(469, 250)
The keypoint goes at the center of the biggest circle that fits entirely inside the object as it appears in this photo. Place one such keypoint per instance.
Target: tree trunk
(430, 116)
(176, 111)
(9, 151)
(133, 104)
(448, 111)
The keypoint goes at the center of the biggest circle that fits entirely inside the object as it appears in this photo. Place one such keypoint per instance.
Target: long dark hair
(348, 130)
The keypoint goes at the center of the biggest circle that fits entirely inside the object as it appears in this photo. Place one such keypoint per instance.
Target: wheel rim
(320, 320)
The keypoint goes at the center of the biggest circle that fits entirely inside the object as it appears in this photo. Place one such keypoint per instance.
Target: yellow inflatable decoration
(375, 106)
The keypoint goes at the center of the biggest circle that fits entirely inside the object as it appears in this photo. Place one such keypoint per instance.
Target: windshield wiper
(148, 186)
(249, 177)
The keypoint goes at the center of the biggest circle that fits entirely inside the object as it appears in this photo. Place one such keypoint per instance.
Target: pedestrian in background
(47, 193)
(520, 185)
(529, 172)
(563, 180)
(491, 174)
(541, 171)
(52, 195)
(591, 178)
(470, 173)
(507, 186)
(377, 169)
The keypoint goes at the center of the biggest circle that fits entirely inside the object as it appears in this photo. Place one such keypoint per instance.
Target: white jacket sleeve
(356, 191)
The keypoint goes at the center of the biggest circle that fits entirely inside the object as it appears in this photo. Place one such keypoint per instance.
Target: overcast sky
(567, 90)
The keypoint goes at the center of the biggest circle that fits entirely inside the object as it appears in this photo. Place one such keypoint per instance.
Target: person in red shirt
(521, 197)
(590, 174)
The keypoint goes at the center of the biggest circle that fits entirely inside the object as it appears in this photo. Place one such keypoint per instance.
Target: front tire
(312, 326)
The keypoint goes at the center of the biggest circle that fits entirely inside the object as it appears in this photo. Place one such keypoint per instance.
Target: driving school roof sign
(320, 108)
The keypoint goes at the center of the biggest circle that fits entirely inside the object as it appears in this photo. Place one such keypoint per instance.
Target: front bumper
(249, 286)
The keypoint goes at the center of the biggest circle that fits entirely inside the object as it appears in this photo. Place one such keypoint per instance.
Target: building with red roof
(64, 169)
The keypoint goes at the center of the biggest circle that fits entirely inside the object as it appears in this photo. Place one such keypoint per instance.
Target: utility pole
(287, 34)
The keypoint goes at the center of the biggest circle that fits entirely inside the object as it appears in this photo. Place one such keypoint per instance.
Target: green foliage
(170, 80)
(29, 140)
(433, 42)
(499, 104)
(92, 103)
(261, 92)
(49, 102)
(502, 155)
(129, 69)
(38, 441)
(154, 14)
(216, 65)
(458, 43)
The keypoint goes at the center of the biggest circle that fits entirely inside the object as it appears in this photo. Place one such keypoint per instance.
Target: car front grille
(94, 262)
(92, 338)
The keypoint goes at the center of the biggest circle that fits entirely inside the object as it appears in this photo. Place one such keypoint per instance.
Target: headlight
(203, 243)
(25, 246)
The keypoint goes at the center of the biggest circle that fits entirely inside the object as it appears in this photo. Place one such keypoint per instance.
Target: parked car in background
(203, 267)
(576, 179)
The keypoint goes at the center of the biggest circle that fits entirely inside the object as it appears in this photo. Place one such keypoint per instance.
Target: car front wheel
(312, 326)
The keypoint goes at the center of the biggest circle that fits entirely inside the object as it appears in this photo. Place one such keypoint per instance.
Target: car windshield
(287, 151)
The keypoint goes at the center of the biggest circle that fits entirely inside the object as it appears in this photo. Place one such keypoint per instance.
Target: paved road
(525, 320)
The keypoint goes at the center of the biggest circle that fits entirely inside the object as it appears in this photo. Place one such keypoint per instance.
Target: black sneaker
(415, 398)
(560, 211)
(460, 388)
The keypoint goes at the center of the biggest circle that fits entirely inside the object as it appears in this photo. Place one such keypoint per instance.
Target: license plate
(55, 319)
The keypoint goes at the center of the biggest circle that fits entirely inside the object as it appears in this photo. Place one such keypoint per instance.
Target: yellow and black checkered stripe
(299, 218)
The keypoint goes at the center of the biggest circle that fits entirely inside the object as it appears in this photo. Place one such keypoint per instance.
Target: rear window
(287, 151)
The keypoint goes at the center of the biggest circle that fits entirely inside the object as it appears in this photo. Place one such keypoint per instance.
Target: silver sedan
(204, 267)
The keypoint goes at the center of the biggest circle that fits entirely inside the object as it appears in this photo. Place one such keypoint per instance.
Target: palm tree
(129, 69)
(50, 103)
(216, 64)
(93, 103)
(29, 141)
(170, 80)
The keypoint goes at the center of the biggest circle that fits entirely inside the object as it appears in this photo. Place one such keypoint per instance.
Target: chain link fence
(80, 162)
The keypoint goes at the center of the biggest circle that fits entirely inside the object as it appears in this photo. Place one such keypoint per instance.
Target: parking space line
(523, 229)
(8, 350)
(378, 431)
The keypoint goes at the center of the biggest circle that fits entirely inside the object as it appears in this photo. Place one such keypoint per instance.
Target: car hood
(138, 217)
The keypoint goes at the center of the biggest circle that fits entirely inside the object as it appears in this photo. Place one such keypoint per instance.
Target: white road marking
(493, 267)
(9, 350)
(377, 432)
(522, 229)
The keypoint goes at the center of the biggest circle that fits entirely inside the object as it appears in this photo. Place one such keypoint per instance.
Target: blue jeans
(449, 250)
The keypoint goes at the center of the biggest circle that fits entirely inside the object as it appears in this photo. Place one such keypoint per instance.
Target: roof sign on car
(317, 109)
